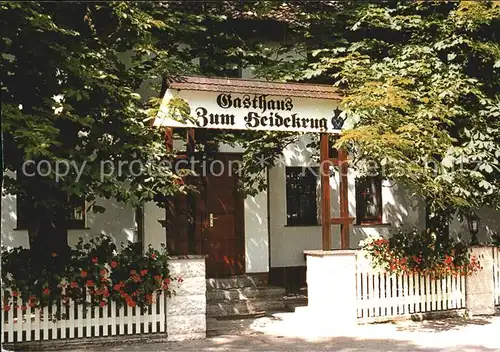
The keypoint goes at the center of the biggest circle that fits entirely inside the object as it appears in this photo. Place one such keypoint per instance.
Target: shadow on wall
(489, 225)
(400, 210)
(118, 222)
(10, 236)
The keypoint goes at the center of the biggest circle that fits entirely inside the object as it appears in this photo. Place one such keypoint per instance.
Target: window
(301, 206)
(76, 214)
(369, 200)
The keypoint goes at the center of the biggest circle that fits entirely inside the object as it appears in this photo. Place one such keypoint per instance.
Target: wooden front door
(219, 218)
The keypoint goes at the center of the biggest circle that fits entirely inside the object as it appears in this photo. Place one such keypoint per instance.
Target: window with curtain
(301, 205)
(369, 200)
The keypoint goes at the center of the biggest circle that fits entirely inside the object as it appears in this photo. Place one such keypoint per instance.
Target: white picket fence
(383, 295)
(77, 321)
(496, 274)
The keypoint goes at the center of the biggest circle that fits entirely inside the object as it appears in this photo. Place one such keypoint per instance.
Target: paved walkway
(290, 332)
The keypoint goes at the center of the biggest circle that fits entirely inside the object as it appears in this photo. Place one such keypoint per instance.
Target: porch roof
(251, 86)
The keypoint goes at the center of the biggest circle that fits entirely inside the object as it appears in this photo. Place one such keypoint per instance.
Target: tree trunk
(48, 233)
(439, 222)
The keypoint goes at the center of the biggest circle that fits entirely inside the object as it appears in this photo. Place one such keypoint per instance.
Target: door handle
(211, 220)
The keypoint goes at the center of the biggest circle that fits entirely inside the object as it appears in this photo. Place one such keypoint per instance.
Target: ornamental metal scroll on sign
(239, 111)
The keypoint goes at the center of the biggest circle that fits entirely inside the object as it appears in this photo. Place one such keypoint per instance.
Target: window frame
(73, 223)
(360, 186)
(22, 221)
(311, 176)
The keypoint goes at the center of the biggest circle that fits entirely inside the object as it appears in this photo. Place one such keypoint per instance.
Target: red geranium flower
(15, 293)
(106, 294)
(83, 273)
(114, 264)
(144, 272)
(95, 260)
(89, 283)
(6, 307)
(32, 304)
(23, 307)
(102, 304)
(46, 291)
(153, 255)
(73, 284)
(103, 272)
(131, 303)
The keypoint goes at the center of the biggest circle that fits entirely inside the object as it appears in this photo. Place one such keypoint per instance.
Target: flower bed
(420, 253)
(127, 277)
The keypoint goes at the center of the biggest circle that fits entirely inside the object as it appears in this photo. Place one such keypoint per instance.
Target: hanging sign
(236, 111)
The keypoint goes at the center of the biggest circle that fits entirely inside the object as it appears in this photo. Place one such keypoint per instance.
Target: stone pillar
(186, 309)
(331, 287)
(479, 288)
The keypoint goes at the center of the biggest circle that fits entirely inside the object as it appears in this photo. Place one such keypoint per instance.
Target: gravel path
(291, 332)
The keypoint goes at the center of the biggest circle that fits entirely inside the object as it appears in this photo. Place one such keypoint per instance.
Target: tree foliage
(71, 78)
(421, 81)
(421, 86)
(427, 108)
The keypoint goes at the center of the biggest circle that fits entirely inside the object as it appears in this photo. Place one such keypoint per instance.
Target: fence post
(186, 309)
(480, 291)
(331, 287)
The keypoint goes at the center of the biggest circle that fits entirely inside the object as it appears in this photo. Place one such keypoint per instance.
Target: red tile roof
(250, 86)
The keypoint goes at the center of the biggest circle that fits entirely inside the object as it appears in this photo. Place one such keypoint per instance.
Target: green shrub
(420, 253)
(95, 269)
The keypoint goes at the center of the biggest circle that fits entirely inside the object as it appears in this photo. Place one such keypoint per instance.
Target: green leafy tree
(76, 82)
(71, 77)
(421, 86)
(421, 81)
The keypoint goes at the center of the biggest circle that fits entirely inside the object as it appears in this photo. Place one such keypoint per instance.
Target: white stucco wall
(256, 234)
(154, 232)
(118, 222)
(289, 242)
(489, 224)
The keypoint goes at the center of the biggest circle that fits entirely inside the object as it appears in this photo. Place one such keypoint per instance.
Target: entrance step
(295, 301)
(245, 294)
(242, 296)
(234, 282)
(241, 308)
